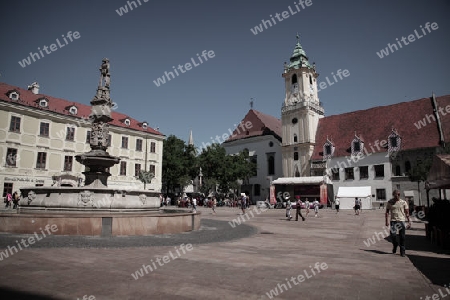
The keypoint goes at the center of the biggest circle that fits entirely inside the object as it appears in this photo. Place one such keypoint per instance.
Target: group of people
(12, 200)
(298, 208)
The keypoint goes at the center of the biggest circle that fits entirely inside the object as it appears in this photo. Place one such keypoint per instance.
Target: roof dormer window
(144, 125)
(357, 146)
(127, 122)
(394, 142)
(43, 102)
(73, 110)
(13, 95)
(328, 150)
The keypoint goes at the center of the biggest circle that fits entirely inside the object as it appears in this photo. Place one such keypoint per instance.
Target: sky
(147, 41)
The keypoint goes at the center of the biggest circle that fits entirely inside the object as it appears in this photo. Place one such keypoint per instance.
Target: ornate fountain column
(98, 160)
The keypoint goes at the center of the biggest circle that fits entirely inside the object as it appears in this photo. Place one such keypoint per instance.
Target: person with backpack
(15, 199)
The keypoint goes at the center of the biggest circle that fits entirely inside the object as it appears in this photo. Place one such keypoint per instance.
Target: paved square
(273, 258)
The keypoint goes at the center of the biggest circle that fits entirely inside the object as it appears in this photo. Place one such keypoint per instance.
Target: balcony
(304, 104)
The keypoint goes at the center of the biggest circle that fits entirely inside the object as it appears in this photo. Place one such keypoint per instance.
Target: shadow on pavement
(434, 268)
(376, 251)
(6, 293)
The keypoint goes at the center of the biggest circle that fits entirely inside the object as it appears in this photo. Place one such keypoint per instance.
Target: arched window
(397, 171)
(294, 78)
(407, 166)
(310, 79)
(295, 155)
(295, 138)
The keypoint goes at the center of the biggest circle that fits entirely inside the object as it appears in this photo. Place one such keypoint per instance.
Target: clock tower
(300, 114)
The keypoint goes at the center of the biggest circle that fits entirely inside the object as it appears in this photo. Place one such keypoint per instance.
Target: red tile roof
(261, 124)
(61, 106)
(414, 121)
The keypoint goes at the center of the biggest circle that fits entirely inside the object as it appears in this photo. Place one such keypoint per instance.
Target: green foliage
(179, 164)
(222, 170)
(421, 169)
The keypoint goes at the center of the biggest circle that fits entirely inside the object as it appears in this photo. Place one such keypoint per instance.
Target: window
(14, 96)
(144, 125)
(393, 141)
(70, 134)
(257, 191)
(125, 142)
(397, 171)
(88, 137)
(43, 103)
(310, 79)
(68, 160)
(349, 174)
(294, 121)
(7, 188)
(364, 172)
(271, 164)
(109, 140)
(356, 147)
(254, 161)
(15, 124)
(137, 170)
(327, 149)
(153, 147)
(138, 145)
(335, 173)
(295, 155)
(152, 169)
(41, 160)
(294, 78)
(11, 157)
(379, 171)
(381, 194)
(127, 122)
(407, 166)
(123, 168)
(44, 129)
(295, 138)
(73, 110)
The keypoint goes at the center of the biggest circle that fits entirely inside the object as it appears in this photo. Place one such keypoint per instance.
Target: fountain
(95, 209)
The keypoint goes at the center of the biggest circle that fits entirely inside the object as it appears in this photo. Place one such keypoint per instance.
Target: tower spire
(191, 139)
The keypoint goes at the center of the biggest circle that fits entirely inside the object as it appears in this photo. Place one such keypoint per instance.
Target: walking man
(398, 211)
(316, 207)
(243, 202)
(299, 209)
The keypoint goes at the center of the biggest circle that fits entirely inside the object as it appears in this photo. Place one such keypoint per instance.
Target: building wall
(259, 146)
(369, 161)
(29, 143)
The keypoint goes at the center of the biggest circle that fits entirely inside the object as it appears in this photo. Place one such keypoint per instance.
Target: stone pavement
(244, 262)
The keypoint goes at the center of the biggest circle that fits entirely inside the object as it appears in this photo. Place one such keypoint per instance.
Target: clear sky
(210, 98)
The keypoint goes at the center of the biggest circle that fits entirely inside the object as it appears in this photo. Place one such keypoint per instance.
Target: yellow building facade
(41, 135)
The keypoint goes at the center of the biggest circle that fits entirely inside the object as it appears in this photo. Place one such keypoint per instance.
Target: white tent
(347, 196)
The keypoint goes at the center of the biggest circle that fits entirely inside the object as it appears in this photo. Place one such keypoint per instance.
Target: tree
(420, 173)
(222, 170)
(179, 164)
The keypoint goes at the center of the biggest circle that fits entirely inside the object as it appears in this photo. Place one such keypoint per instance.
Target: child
(288, 208)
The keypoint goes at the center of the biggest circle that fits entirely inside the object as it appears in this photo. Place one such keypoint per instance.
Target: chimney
(34, 88)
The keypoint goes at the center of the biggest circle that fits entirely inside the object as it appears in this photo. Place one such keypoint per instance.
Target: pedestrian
(15, 199)
(357, 205)
(307, 207)
(337, 202)
(316, 207)
(398, 211)
(214, 204)
(299, 209)
(243, 202)
(194, 205)
(288, 208)
(8, 199)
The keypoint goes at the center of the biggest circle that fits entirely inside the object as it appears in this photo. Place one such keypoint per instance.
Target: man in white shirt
(399, 212)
